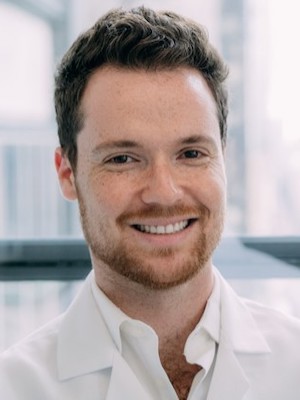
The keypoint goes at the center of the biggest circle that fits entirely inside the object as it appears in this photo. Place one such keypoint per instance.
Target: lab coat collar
(228, 380)
(239, 335)
(239, 330)
(77, 354)
(123, 382)
(81, 329)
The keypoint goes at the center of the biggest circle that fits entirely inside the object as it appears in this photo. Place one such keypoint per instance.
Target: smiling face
(150, 174)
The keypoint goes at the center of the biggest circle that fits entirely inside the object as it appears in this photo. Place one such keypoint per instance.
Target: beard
(122, 257)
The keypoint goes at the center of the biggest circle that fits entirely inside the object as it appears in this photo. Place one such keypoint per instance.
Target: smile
(163, 229)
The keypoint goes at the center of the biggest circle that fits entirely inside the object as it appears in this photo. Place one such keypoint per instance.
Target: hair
(139, 38)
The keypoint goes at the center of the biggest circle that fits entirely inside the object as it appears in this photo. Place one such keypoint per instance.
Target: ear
(65, 175)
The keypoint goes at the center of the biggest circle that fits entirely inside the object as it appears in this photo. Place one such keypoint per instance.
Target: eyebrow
(198, 139)
(125, 144)
(121, 144)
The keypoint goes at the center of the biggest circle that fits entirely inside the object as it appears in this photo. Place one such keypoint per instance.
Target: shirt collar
(211, 318)
(200, 347)
(114, 317)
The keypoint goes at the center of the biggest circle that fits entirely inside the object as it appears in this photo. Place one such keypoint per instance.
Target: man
(141, 110)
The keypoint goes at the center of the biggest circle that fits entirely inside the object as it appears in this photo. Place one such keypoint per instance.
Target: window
(263, 147)
(30, 202)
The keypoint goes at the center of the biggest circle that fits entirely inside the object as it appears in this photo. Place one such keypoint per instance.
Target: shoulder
(249, 325)
(37, 343)
(273, 323)
(268, 320)
(281, 333)
(25, 360)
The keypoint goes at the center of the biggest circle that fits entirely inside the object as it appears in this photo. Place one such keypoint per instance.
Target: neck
(172, 313)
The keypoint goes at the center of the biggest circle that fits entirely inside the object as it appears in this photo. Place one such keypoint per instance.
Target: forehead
(123, 102)
(174, 83)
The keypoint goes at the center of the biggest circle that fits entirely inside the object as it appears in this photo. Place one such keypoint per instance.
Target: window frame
(69, 259)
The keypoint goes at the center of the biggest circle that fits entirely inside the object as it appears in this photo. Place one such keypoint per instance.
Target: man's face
(150, 177)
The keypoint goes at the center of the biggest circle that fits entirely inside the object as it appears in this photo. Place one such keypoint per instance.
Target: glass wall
(259, 40)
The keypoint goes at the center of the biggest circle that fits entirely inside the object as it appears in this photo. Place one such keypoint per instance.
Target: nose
(161, 186)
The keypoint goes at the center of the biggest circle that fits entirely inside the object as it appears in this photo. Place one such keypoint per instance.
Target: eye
(120, 159)
(191, 154)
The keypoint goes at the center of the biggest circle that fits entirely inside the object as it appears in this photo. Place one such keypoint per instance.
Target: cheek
(219, 180)
(212, 190)
(219, 191)
(110, 195)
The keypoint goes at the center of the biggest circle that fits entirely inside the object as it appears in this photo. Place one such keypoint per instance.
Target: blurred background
(259, 41)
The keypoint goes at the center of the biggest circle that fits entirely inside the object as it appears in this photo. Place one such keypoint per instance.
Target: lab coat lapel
(239, 335)
(229, 380)
(123, 382)
(84, 343)
(78, 353)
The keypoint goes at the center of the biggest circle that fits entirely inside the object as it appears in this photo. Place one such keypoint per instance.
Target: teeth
(161, 230)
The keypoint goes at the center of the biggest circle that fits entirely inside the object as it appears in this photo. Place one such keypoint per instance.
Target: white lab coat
(74, 357)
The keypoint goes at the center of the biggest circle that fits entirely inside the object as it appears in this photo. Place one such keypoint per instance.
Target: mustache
(157, 211)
